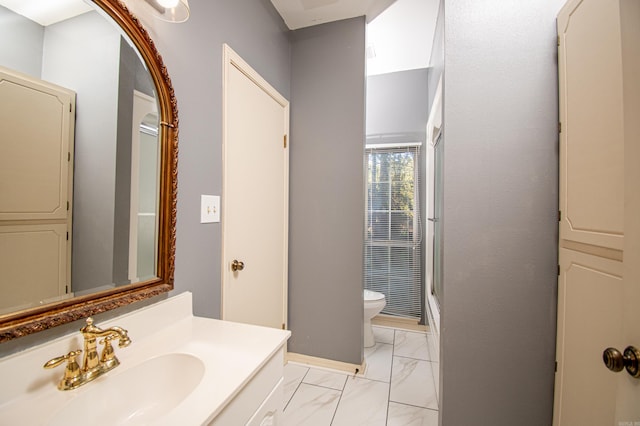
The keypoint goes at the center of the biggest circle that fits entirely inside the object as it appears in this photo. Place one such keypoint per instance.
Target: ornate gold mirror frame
(33, 320)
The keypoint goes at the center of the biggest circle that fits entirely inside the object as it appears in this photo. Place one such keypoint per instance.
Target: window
(393, 232)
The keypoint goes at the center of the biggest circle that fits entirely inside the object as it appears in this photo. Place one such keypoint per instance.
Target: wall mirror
(88, 164)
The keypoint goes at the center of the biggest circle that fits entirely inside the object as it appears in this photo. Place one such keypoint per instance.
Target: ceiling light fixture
(175, 11)
(168, 3)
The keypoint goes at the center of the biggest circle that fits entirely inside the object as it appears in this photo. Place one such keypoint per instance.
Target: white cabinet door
(36, 168)
(33, 261)
(270, 412)
(599, 283)
(37, 130)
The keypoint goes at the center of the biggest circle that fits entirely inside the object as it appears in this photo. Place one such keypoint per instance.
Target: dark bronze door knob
(237, 265)
(629, 359)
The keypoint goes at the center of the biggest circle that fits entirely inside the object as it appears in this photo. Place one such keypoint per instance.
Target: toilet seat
(371, 296)
(374, 303)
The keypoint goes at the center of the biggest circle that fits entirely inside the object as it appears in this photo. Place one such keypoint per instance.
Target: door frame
(231, 59)
(143, 105)
(434, 133)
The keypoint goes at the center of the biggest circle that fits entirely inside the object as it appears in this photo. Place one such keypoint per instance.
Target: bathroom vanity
(178, 369)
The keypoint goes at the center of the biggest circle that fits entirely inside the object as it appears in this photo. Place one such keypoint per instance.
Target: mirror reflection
(79, 158)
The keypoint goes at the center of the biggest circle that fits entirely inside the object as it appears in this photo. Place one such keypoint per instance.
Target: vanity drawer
(241, 409)
(271, 409)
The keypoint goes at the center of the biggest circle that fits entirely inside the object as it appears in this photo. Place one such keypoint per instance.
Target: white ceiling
(401, 37)
(47, 12)
(399, 32)
(305, 13)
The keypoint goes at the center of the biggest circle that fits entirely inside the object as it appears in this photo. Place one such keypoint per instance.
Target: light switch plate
(209, 208)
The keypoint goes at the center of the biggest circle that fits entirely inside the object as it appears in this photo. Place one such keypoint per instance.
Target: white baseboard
(398, 322)
(325, 363)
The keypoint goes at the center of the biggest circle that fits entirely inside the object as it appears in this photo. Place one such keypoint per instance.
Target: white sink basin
(179, 370)
(138, 395)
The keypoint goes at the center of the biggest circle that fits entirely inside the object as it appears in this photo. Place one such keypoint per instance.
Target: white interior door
(599, 282)
(255, 197)
(36, 186)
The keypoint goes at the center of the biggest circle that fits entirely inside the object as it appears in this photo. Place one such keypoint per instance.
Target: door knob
(237, 265)
(616, 361)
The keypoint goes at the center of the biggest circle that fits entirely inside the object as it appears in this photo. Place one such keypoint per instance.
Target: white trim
(434, 124)
(383, 320)
(324, 363)
(143, 105)
(434, 129)
(392, 145)
(230, 57)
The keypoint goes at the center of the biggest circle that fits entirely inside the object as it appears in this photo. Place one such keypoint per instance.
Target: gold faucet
(92, 364)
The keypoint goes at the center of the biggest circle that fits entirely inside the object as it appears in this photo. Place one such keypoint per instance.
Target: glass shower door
(437, 219)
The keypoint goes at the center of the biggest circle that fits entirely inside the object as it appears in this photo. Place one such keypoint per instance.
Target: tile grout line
(297, 387)
(393, 351)
(390, 380)
(339, 400)
(414, 406)
(320, 386)
(415, 359)
(433, 376)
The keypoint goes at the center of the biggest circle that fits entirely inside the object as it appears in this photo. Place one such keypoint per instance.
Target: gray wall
(398, 103)
(500, 212)
(25, 56)
(327, 191)
(192, 53)
(72, 60)
(498, 315)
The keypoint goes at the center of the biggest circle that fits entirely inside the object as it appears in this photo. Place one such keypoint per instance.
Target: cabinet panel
(591, 116)
(33, 261)
(35, 155)
(270, 412)
(590, 293)
(251, 397)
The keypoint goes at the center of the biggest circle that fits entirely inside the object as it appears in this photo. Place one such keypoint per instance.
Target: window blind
(393, 230)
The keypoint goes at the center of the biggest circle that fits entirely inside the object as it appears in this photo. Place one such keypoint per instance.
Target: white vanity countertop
(232, 354)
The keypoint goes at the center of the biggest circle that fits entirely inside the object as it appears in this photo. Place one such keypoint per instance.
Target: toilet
(374, 302)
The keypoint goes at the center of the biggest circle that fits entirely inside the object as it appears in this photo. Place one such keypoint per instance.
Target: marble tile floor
(397, 388)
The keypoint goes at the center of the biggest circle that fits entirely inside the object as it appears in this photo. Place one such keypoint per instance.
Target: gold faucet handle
(72, 373)
(125, 341)
(54, 362)
(108, 359)
(107, 353)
